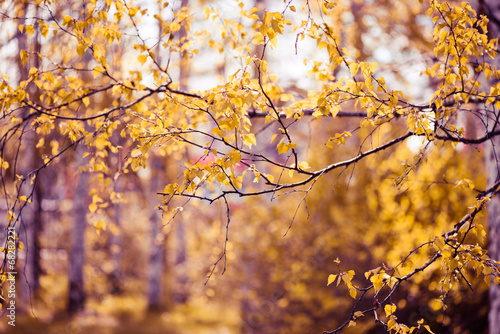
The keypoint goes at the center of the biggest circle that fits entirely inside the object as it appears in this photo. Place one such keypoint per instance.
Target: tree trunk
(76, 300)
(493, 206)
(32, 213)
(32, 222)
(184, 62)
(181, 294)
(157, 258)
(115, 248)
(491, 9)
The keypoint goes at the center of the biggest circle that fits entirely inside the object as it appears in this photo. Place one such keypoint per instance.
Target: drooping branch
(311, 175)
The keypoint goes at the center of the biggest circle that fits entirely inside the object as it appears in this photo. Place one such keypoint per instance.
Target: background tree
(491, 10)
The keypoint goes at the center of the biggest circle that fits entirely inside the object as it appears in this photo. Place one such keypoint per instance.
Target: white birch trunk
(491, 8)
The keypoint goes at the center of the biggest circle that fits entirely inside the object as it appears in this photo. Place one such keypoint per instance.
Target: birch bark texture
(491, 8)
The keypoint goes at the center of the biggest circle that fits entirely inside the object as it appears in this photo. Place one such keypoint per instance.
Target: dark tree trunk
(157, 257)
(76, 300)
(116, 252)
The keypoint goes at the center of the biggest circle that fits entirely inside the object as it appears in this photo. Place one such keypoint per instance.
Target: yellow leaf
(282, 147)
(93, 207)
(4, 164)
(257, 177)
(40, 143)
(273, 137)
(331, 279)
(100, 224)
(238, 181)
(44, 28)
(132, 11)
(351, 274)
(24, 57)
(389, 309)
(80, 49)
(391, 324)
(353, 292)
(142, 59)
(96, 199)
(67, 20)
(322, 45)
(55, 147)
(270, 177)
(346, 52)
(324, 9)
(175, 26)
(170, 189)
(263, 65)
(353, 67)
(249, 140)
(428, 329)
(33, 71)
(136, 153)
(49, 77)
(274, 41)
(97, 71)
(439, 243)
(367, 68)
(304, 165)
(378, 281)
(221, 177)
(30, 29)
(358, 314)
(86, 101)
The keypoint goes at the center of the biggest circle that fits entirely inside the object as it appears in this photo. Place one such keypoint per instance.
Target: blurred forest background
(146, 271)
